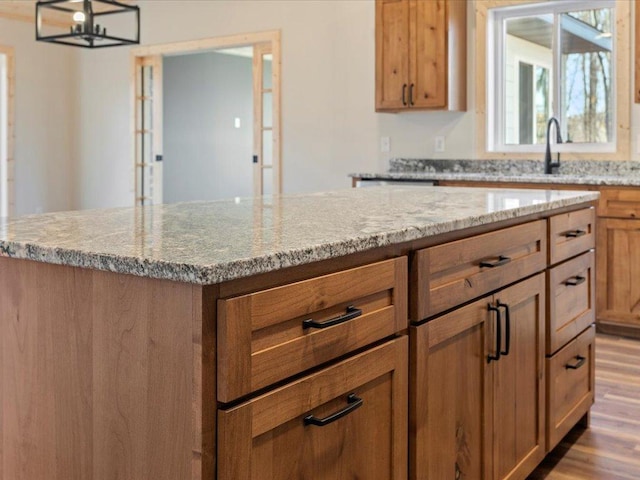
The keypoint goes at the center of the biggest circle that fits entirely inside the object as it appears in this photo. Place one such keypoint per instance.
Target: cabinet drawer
(450, 274)
(268, 336)
(571, 233)
(570, 377)
(571, 297)
(619, 203)
(271, 437)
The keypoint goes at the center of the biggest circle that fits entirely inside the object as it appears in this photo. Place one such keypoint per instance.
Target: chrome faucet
(548, 164)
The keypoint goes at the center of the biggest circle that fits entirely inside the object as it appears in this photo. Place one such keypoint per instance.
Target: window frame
(496, 14)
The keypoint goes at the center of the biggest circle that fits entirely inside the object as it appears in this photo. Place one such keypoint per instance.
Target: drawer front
(619, 203)
(571, 233)
(570, 388)
(268, 336)
(571, 297)
(453, 273)
(280, 435)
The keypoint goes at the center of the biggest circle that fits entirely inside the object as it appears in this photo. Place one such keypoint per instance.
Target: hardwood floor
(610, 448)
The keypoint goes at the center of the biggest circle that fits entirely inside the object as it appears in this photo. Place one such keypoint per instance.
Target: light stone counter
(601, 173)
(211, 242)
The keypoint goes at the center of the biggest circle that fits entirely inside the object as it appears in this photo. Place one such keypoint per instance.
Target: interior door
(148, 130)
(265, 172)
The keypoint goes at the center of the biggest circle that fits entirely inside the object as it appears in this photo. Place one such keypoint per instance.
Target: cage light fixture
(83, 23)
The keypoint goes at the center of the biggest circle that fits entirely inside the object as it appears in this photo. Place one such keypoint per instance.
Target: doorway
(230, 154)
(7, 79)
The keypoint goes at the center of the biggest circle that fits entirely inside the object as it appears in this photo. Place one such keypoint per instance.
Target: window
(551, 59)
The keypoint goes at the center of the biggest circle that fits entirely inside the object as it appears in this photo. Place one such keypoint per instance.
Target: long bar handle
(498, 334)
(502, 260)
(575, 233)
(580, 362)
(353, 401)
(352, 312)
(507, 332)
(573, 281)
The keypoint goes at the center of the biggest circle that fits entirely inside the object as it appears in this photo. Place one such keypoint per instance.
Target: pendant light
(83, 23)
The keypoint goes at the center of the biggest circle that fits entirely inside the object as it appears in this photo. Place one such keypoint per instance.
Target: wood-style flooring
(610, 448)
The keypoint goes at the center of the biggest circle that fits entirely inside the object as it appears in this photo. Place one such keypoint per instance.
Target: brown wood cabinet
(477, 388)
(420, 55)
(346, 421)
(109, 375)
(617, 257)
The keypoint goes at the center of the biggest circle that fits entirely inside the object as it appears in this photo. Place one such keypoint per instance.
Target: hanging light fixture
(83, 23)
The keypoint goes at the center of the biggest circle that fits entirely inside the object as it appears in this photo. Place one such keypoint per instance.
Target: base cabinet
(477, 388)
(618, 294)
(346, 421)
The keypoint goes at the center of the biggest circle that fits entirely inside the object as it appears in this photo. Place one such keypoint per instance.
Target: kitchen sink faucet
(548, 164)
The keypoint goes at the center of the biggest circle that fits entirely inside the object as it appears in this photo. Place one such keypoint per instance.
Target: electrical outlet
(439, 144)
(385, 144)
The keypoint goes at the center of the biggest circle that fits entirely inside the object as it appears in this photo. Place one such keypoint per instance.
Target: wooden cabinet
(420, 55)
(344, 422)
(570, 384)
(618, 294)
(477, 388)
(618, 261)
(571, 300)
(450, 274)
(308, 322)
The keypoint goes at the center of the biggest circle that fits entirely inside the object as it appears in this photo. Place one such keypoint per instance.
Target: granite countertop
(211, 242)
(614, 173)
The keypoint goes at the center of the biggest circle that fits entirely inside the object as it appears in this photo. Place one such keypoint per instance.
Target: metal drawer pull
(354, 403)
(404, 94)
(352, 312)
(498, 333)
(578, 364)
(507, 332)
(575, 233)
(573, 281)
(502, 260)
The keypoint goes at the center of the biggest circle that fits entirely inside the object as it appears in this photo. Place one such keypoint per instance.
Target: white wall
(45, 111)
(328, 66)
(205, 156)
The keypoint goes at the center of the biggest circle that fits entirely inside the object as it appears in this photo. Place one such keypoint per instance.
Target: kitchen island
(618, 211)
(273, 338)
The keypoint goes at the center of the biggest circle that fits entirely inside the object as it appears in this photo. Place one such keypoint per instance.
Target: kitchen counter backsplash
(515, 167)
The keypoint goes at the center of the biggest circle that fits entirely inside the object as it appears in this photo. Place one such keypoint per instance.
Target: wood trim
(623, 87)
(11, 164)
(271, 38)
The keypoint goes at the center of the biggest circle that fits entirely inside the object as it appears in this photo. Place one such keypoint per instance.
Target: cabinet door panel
(519, 389)
(392, 50)
(267, 439)
(618, 266)
(448, 387)
(428, 53)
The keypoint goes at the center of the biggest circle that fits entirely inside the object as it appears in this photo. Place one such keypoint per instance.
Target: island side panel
(102, 375)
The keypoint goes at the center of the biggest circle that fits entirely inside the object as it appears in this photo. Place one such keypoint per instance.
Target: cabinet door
(392, 54)
(618, 266)
(518, 390)
(447, 391)
(428, 54)
(273, 437)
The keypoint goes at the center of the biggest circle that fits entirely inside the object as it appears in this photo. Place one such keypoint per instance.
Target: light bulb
(79, 17)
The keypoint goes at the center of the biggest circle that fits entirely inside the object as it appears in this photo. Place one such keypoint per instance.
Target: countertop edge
(232, 270)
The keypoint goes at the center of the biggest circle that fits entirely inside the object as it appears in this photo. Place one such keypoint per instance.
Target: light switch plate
(385, 144)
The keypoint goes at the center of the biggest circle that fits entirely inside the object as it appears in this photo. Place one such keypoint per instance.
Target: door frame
(7, 168)
(271, 38)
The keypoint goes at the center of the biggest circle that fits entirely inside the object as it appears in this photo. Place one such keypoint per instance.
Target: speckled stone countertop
(581, 172)
(211, 242)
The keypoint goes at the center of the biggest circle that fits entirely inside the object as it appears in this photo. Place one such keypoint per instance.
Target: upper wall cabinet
(421, 55)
